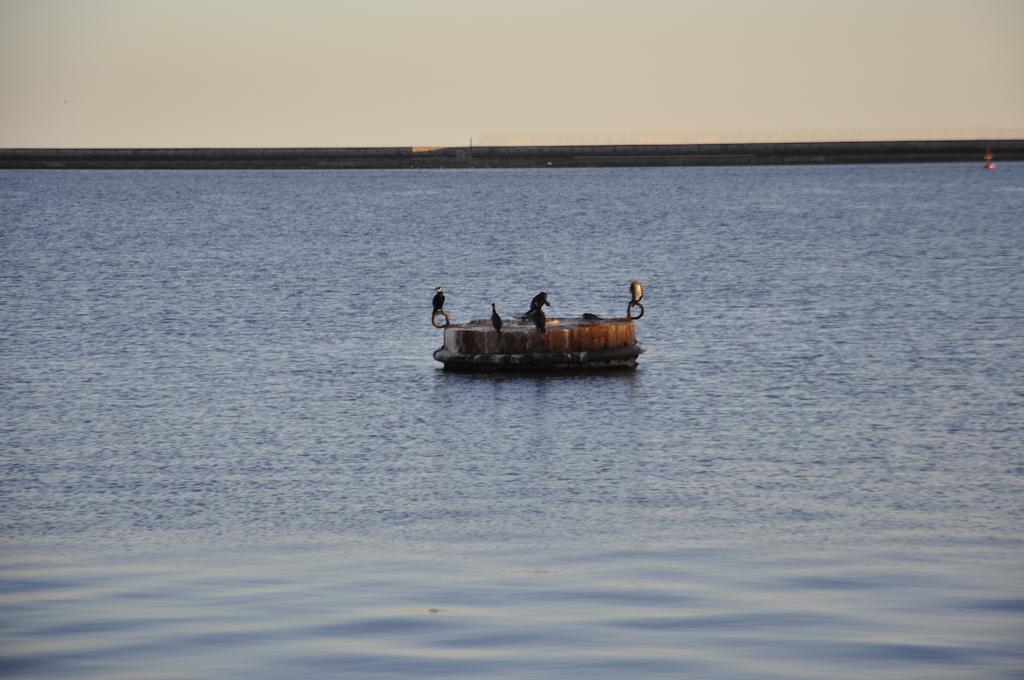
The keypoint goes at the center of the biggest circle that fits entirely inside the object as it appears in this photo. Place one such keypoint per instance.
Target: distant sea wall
(629, 155)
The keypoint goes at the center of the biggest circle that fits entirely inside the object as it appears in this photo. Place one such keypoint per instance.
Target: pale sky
(226, 73)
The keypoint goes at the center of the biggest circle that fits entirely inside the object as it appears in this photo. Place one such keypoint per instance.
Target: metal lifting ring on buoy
(629, 310)
(433, 319)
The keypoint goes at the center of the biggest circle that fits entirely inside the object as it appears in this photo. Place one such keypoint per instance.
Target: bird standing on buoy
(539, 300)
(636, 289)
(495, 319)
(636, 293)
(539, 320)
(439, 309)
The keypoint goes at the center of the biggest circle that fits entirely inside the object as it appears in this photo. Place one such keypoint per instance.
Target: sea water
(226, 450)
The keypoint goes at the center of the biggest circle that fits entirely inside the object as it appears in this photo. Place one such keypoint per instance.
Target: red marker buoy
(989, 164)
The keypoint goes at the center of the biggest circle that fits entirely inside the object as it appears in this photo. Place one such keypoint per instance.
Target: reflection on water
(227, 451)
(659, 612)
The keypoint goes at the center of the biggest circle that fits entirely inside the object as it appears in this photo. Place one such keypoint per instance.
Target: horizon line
(418, 148)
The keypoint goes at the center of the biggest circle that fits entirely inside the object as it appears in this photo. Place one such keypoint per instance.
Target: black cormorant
(438, 299)
(539, 319)
(495, 319)
(539, 300)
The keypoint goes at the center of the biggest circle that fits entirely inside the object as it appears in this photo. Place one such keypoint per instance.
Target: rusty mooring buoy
(560, 344)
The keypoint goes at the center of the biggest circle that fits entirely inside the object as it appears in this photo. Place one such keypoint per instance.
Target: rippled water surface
(228, 453)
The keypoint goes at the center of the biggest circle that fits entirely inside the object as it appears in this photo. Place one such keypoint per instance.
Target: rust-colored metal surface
(566, 344)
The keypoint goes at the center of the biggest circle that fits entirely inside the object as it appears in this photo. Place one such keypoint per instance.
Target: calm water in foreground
(228, 453)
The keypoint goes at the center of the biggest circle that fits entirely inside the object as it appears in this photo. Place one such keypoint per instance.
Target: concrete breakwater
(627, 155)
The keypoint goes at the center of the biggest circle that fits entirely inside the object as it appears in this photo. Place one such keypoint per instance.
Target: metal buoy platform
(565, 344)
